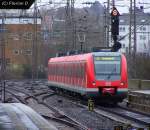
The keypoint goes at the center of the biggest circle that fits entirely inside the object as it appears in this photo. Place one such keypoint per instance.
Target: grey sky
(125, 3)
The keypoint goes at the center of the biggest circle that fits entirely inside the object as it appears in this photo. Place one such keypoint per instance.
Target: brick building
(18, 35)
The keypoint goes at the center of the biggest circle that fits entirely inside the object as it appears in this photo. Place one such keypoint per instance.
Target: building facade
(142, 32)
(18, 35)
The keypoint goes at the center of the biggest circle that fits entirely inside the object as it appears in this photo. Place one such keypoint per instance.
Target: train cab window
(52, 69)
(69, 70)
(49, 69)
(107, 67)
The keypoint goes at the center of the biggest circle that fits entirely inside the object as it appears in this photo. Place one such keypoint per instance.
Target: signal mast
(115, 28)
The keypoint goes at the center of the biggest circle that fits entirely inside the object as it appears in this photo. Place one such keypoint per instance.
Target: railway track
(118, 113)
(134, 118)
(40, 96)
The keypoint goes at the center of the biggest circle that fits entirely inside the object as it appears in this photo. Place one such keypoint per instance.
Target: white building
(142, 32)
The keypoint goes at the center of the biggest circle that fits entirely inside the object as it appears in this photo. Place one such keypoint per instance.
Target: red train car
(97, 75)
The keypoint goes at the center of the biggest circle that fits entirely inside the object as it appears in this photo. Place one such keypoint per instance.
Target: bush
(27, 73)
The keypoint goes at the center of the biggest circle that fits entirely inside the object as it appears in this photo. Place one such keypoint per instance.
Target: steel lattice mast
(132, 28)
(70, 26)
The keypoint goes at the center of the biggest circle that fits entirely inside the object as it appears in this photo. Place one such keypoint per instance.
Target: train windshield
(107, 67)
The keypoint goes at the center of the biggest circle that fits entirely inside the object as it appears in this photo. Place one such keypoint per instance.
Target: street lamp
(81, 38)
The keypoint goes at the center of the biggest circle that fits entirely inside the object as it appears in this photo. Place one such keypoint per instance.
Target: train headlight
(122, 83)
(93, 83)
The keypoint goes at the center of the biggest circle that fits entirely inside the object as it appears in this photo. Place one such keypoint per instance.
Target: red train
(100, 75)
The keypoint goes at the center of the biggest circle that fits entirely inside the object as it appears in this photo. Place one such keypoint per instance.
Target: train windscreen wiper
(109, 75)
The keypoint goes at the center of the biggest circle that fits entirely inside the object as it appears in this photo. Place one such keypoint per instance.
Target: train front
(110, 75)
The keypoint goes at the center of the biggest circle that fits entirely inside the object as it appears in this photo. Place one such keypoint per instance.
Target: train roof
(82, 57)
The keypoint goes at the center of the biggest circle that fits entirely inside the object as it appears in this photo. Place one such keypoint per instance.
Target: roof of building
(141, 18)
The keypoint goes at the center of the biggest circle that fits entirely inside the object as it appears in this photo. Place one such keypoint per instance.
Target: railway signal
(115, 29)
(115, 21)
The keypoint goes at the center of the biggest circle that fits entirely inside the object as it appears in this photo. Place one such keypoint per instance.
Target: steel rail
(128, 114)
(143, 119)
(63, 115)
(16, 97)
(59, 115)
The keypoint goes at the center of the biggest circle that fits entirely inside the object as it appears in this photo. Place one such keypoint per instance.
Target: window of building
(123, 46)
(28, 52)
(27, 36)
(142, 37)
(127, 49)
(13, 36)
(121, 29)
(16, 52)
(121, 21)
(142, 28)
(145, 47)
(143, 20)
(7, 61)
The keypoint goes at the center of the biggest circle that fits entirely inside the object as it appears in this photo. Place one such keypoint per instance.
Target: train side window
(67, 70)
(78, 70)
(64, 69)
(72, 69)
(75, 69)
(85, 70)
(82, 70)
(49, 69)
(54, 69)
(57, 69)
(70, 73)
(61, 69)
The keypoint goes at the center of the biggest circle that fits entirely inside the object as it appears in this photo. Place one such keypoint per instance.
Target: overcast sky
(125, 3)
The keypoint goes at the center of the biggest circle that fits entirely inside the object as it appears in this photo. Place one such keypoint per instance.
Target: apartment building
(142, 32)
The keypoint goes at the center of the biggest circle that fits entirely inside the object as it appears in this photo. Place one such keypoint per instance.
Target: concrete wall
(138, 84)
